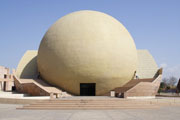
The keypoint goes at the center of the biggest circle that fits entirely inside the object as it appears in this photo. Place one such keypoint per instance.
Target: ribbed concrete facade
(147, 66)
(27, 67)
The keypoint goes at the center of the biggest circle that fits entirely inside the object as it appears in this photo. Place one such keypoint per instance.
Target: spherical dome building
(87, 49)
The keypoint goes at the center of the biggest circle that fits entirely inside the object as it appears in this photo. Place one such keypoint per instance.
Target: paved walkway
(9, 112)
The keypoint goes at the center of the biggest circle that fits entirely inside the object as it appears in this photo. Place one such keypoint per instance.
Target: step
(11, 95)
(68, 101)
(89, 108)
(89, 104)
(86, 106)
(94, 103)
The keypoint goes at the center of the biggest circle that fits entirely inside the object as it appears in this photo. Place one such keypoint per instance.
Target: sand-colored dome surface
(87, 47)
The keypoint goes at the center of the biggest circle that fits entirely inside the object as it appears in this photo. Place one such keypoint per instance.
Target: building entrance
(87, 89)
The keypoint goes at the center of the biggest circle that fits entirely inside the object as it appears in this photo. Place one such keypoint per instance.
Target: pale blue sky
(154, 25)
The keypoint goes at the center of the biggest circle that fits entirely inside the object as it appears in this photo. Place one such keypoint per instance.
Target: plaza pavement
(9, 112)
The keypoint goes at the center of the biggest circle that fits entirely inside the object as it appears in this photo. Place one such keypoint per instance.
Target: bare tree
(172, 81)
(165, 80)
(168, 84)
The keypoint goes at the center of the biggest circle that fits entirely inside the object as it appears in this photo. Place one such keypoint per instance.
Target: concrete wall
(147, 66)
(27, 67)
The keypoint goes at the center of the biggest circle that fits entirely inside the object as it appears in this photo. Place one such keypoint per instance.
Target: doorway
(87, 89)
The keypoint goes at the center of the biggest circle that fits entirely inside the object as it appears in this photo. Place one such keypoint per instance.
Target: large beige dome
(87, 47)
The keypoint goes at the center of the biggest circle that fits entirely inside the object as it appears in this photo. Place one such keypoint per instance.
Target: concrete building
(6, 81)
(88, 53)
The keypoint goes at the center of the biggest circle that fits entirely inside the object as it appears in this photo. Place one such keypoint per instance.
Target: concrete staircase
(140, 87)
(36, 87)
(89, 104)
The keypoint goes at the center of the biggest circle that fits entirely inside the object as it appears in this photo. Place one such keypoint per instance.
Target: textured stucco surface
(87, 47)
(147, 66)
(27, 67)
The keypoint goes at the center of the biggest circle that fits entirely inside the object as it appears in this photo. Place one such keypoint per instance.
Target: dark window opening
(5, 76)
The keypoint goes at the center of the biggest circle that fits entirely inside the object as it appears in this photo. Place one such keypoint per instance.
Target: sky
(153, 24)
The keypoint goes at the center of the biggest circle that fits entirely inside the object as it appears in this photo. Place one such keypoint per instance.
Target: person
(39, 76)
(137, 77)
